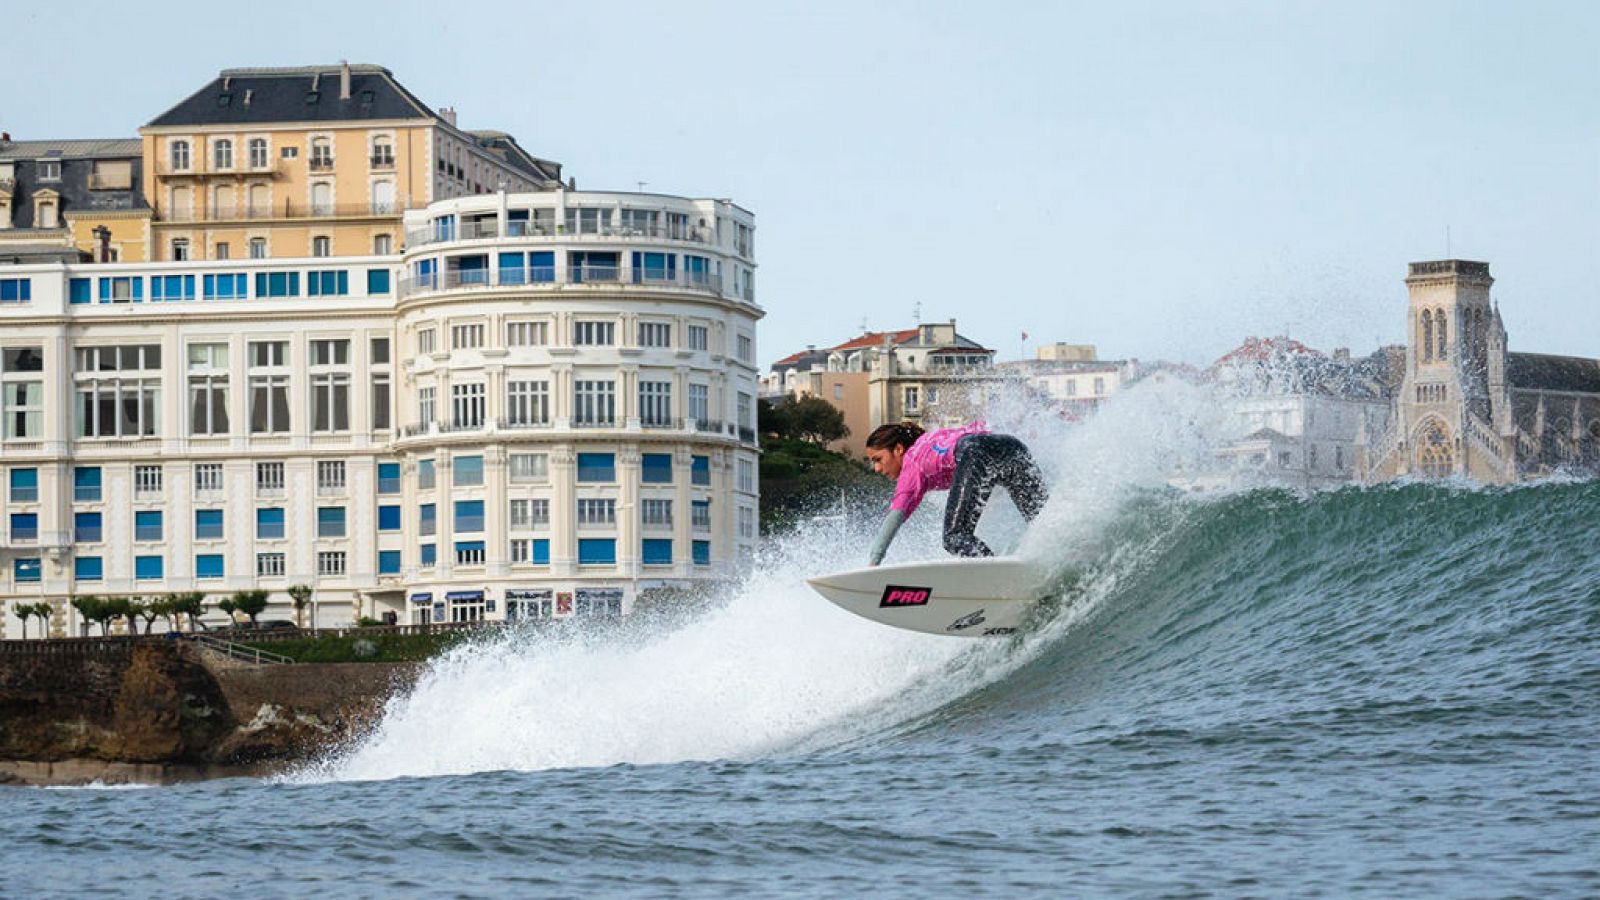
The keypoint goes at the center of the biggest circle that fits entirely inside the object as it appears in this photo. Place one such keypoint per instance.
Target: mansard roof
(112, 148)
(295, 94)
(1542, 372)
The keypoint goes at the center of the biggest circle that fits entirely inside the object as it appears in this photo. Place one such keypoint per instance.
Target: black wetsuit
(983, 461)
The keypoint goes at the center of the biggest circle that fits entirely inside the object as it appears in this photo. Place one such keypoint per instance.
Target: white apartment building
(544, 407)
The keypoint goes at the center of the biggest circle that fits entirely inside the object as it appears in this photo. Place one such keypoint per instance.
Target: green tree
(149, 611)
(816, 421)
(45, 612)
(230, 606)
(773, 418)
(191, 604)
(300, 595)
(166, 607)
(91, 609)
(122, 608)
(23, 611)
(251, 603)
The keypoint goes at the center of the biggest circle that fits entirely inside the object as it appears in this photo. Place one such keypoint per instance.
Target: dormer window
(311, 97)
(49, 170)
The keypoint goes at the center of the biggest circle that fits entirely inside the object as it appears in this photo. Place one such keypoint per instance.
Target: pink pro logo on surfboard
(899, 595)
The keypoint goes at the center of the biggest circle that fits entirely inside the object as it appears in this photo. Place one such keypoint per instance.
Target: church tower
(1446, 388)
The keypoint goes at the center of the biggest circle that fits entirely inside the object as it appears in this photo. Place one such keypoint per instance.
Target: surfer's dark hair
(894, 434)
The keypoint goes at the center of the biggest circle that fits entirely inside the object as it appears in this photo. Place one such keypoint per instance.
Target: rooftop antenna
(863, 324)
(916, 311)
(641, 186)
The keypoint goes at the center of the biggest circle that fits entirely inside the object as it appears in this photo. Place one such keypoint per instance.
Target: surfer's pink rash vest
(929, 465)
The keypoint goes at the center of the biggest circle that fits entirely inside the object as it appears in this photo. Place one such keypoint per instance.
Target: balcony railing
(272, 167)
(320, 164)
(540, 276)
(287, 209)
(382, 162)
(490, 228)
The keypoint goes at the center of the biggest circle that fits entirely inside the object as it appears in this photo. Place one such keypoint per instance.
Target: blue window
(425, 474)
(147, 525)
(593, 266)
(86, 527)
(24, 526)
(472, 269)
(657, 551)
(469, 470)
(26, 570)
(469, 552)
(700, 470)
(171, 287)
(655, 468)
(16, 290)
(277, 284)
(208, 524)
(377, 281)
(86, 484)
(24, 485)
(389, 518)
(597, 551)
(148, 568)
(430, 554)
(655, 267)
(388, 478)
(208, 565)
(597, 467)
(444, 228)
(469, 515)
(697, 269)
(79, 290)
(328, 283)
(541, 551)
(388, 562)
(427, 273)
(88, 568)
(429, 519)
(702, 553)
(227, 286)
(330, 521)
(269, 522)
(511, 268)
(542, 267)
(121, 290)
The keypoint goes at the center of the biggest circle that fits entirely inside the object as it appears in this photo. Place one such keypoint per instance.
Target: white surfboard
(966, 597)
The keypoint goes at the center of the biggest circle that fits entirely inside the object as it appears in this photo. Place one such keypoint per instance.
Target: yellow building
(312, 161)
(71, 200)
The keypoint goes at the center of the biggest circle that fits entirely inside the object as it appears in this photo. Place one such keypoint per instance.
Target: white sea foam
(776, 668)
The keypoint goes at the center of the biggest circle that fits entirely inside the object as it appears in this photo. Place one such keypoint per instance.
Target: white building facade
(544, 407)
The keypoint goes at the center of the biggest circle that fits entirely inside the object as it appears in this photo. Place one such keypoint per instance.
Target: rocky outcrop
(159, 710)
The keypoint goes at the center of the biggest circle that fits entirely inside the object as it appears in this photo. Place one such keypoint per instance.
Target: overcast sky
(1160, 179)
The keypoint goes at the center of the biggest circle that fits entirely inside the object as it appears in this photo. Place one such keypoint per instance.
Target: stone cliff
(159, 710)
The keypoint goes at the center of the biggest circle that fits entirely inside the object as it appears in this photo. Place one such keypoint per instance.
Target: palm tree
(300, 594)
(23, 611)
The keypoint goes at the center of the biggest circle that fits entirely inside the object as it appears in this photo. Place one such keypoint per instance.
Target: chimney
(344, 80)
(448, 113)
(102, 244)
(1341, 354)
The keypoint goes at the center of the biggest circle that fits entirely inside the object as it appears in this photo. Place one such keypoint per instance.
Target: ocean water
(1366, 692)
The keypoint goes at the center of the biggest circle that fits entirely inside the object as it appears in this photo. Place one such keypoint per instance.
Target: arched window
(321, 154)
(180, 155)
(322, 199)
(258, 153)
(383, 196)
(1435, 455)
(258, 248)
(382, 153)
(222, 154)
(222, 202)
(321, 245)
(1439, 320)
(183, 204)
(1427, 336)
(260, 200)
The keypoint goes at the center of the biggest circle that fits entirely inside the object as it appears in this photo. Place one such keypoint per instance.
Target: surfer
(968, 462)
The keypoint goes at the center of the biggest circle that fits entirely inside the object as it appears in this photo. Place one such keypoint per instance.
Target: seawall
(158, 710)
